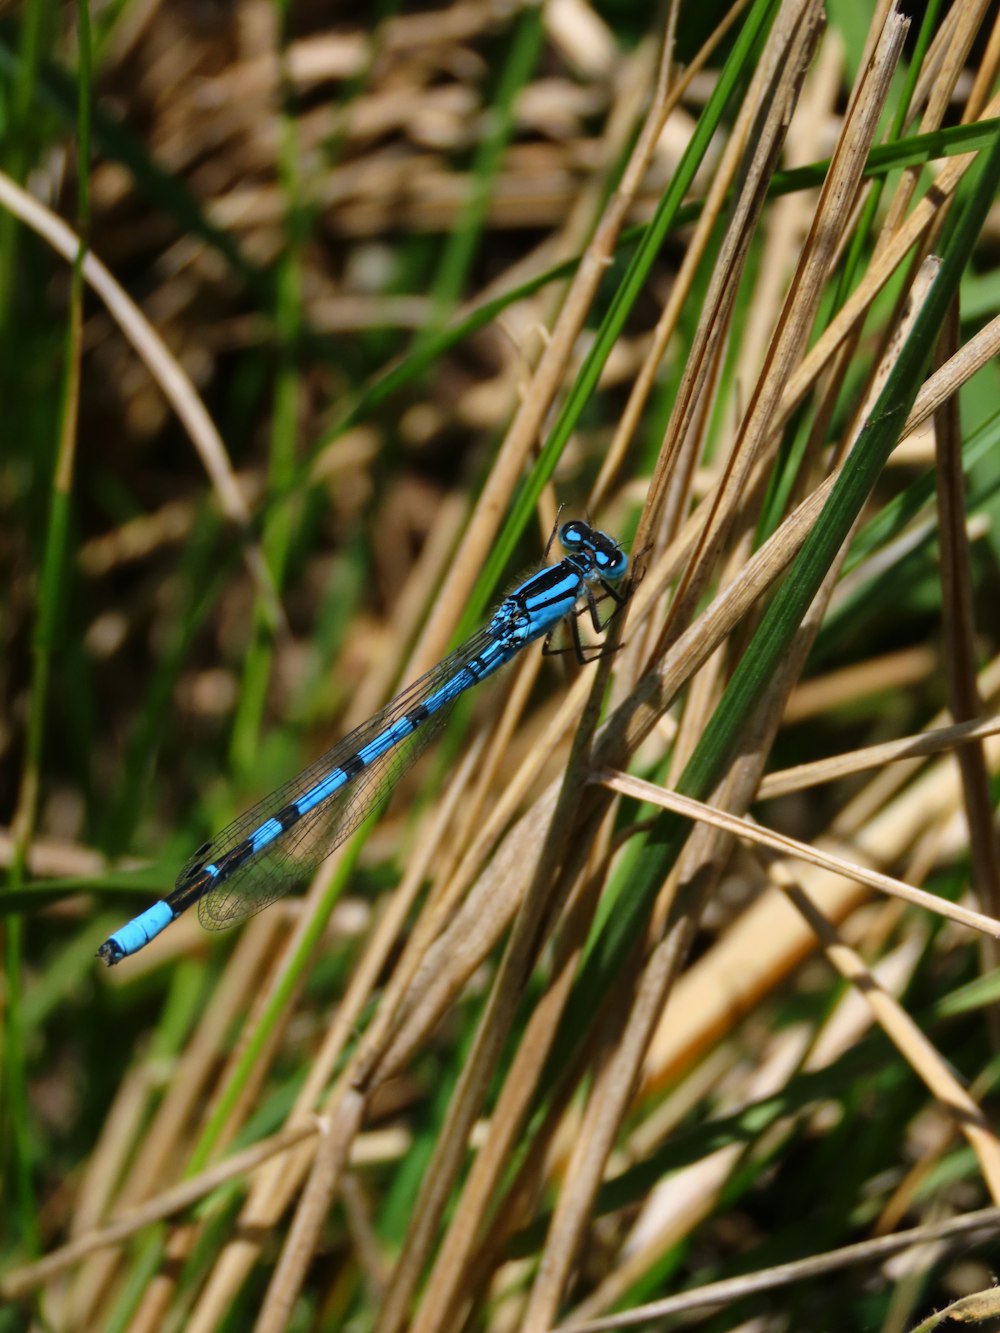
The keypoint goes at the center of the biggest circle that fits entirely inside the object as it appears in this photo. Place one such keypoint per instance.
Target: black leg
(584, 652)
(617, 596)
(547, 649)
(576, 647)
(595, 618)
(552, 535)
(574, 629)
(591, 652)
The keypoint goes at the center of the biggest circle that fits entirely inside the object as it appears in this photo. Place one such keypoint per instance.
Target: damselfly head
(603, 552)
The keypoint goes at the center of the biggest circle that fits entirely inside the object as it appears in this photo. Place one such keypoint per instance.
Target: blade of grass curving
(780, 622)
(51, 605)
(59, 91)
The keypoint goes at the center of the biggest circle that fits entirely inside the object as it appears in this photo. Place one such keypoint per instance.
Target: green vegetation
(306, 333)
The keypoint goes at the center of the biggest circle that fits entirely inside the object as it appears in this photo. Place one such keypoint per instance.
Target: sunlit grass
(527, 1050)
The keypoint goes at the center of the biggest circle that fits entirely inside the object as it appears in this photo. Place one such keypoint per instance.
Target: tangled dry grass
(664, 991)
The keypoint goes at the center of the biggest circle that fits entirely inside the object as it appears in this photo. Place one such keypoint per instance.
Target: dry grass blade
(162, 365)
(779, 842)
(919, 1053)
(960, 631)
(366, 1150)
(784, 781)
(732, 1289)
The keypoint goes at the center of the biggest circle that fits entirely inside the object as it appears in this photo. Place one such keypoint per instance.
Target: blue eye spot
(611, 560)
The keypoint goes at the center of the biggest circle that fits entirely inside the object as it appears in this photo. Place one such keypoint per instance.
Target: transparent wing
(297, 851)
(291, 858)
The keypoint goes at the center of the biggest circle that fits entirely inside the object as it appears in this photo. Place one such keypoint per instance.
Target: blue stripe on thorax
(551, 599)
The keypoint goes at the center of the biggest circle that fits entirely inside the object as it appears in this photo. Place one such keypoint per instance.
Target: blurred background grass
(354, 237)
